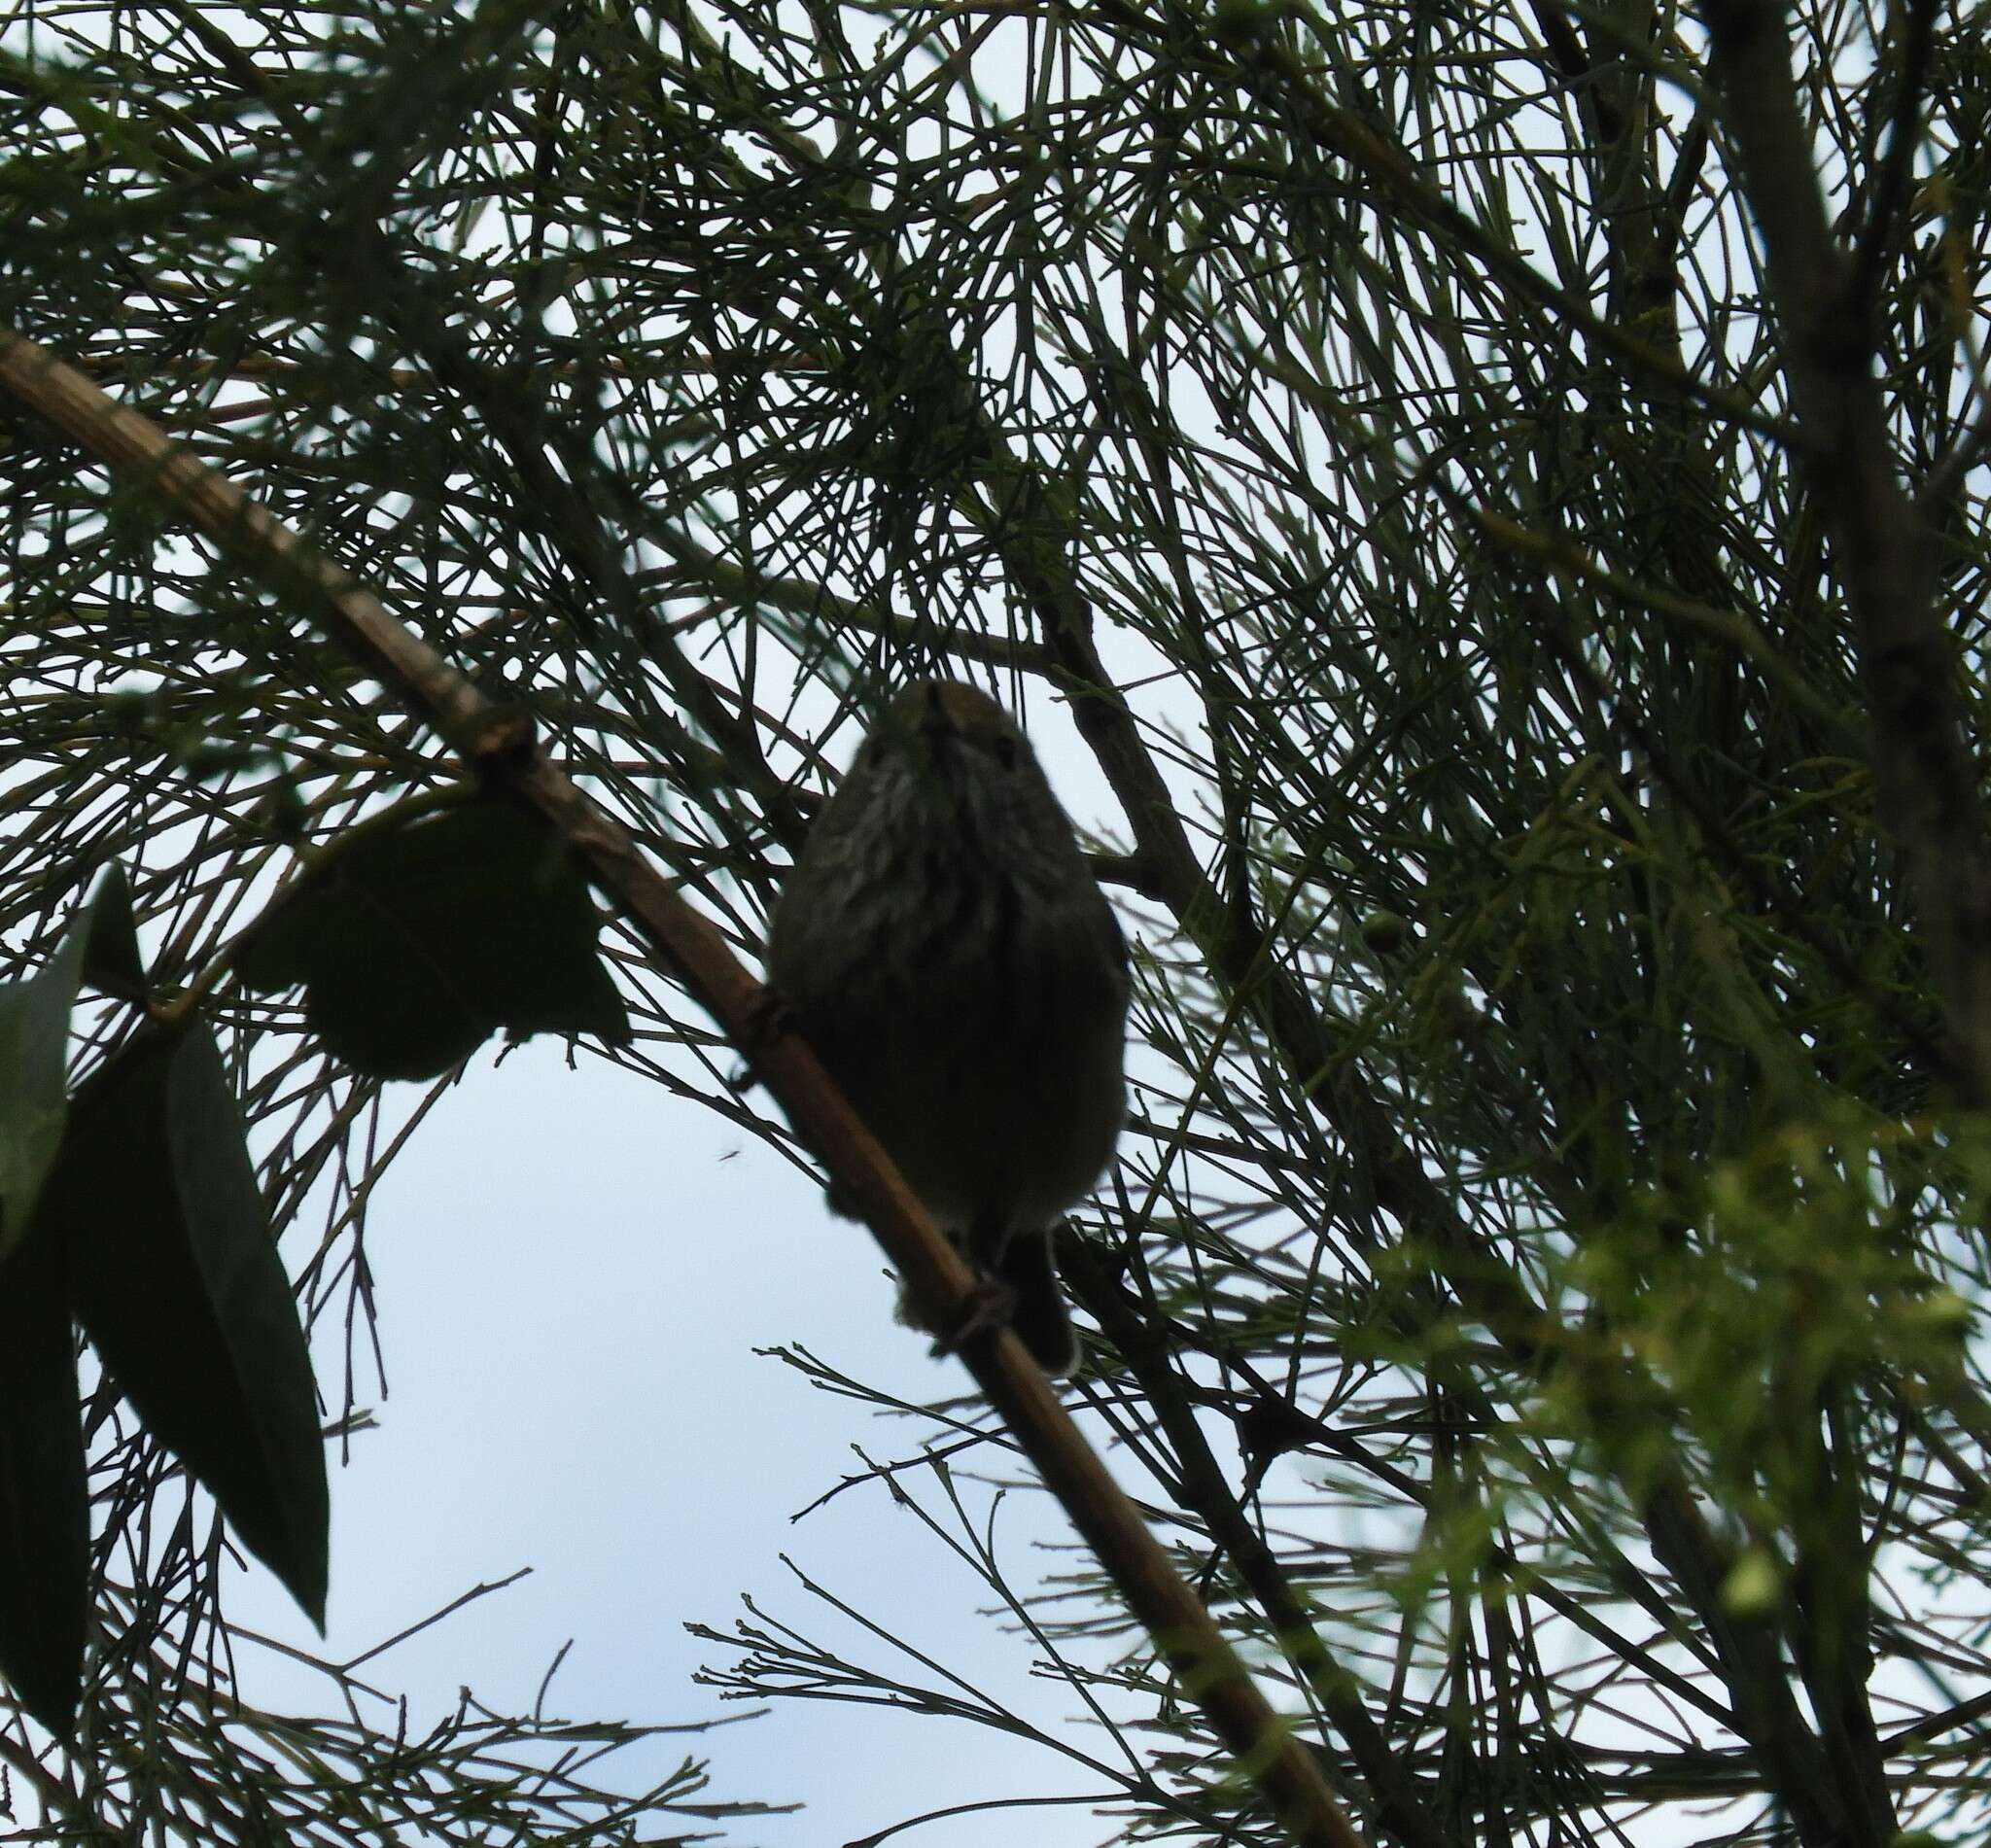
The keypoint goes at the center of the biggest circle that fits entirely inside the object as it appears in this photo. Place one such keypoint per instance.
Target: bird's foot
(990, 1304)
(769, 1018)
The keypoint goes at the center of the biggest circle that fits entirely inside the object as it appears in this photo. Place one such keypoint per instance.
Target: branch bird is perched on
(945, 950)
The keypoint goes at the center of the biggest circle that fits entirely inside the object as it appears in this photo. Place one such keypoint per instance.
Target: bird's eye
(1005, 751)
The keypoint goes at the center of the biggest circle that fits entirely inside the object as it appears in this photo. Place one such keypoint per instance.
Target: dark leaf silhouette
(34, 1051)
(415, 942)
(44, 1516)
(176, 1279)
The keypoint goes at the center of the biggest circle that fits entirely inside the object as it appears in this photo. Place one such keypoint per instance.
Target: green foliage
(34, 1102)
(112, 962)
(1563, 1250)
(177, 1282)
(44, 1510)
(147, 1225)
(415, 939)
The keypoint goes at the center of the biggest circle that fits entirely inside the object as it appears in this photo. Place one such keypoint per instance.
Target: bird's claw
(990, 1304)
(769, 1018)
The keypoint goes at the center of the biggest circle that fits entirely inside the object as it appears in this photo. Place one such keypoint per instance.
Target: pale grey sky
(573, 1271)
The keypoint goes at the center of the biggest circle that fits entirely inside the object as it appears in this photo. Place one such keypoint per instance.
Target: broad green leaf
(111, 959)
(415, 943)
(34, 1102)
(176, 1279)
(44, 1509)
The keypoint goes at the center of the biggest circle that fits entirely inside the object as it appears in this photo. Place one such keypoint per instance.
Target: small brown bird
(944, 948)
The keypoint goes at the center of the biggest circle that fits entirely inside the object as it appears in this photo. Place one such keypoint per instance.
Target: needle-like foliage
(1496, 493)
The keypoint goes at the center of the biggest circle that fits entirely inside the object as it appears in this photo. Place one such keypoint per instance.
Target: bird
(942, 945)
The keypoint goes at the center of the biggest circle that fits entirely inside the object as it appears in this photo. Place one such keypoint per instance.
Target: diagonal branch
(1285, 1774)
